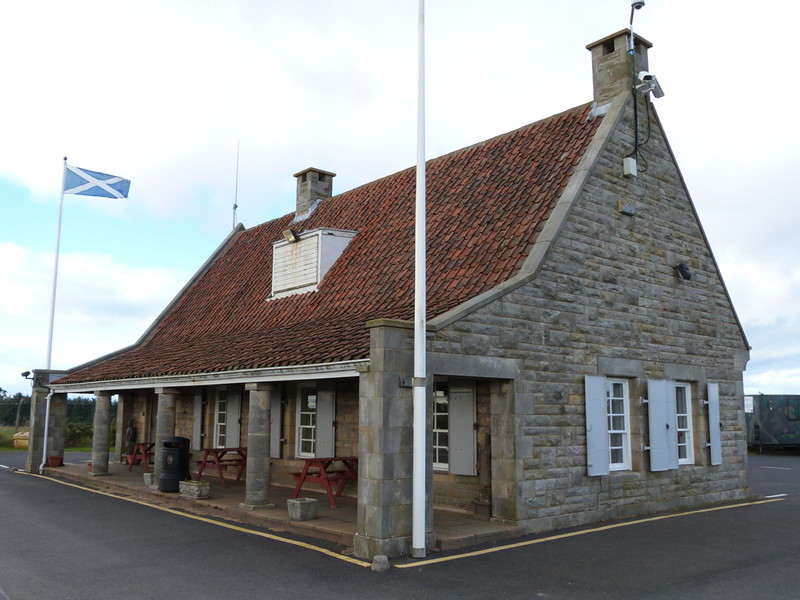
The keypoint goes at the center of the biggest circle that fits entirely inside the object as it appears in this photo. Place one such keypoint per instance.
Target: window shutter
(596, 425)
(714, 425)
(663, 425)
(197, 422)
(275, 425)
(463, 442)
(233, 415)
(326, 401)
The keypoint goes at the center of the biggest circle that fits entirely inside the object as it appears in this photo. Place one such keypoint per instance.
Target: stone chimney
(313, 186)
(612, 71)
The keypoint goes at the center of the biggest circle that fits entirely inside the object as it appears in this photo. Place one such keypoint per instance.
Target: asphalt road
(61, 542)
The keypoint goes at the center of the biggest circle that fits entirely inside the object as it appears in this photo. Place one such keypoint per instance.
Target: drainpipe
(46, 429)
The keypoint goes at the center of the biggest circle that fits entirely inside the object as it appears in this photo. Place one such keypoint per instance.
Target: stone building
(584, 358)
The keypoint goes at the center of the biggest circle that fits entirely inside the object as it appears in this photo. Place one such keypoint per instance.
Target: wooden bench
(317, 470)
(224, 463)
(220, 459)
(142, 454)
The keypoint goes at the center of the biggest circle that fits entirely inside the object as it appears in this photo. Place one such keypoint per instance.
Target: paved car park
(748, 550)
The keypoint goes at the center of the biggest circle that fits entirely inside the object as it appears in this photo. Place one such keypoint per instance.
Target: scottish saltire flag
(84, 182)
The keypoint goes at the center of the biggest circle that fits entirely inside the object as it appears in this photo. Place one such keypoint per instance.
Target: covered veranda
(453, 530)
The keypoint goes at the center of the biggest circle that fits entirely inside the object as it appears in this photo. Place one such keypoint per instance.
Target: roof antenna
(236, 189)
(635, 5)
(629, 166)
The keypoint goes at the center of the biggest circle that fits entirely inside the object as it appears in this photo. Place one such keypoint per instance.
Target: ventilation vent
(301, 261)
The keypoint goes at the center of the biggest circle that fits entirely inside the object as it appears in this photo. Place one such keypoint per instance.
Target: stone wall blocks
(400, 518)
(368, 492)
(395, 492)
(377, 466)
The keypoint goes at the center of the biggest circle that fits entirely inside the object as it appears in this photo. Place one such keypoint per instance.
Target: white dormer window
(300, 261)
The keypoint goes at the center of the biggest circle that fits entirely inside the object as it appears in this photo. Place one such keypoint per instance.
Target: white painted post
(420, 367)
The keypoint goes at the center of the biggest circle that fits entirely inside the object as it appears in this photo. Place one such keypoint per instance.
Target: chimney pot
(312, 185)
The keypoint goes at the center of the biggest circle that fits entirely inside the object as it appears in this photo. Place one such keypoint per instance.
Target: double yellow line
(179, 513)
(415, 563)
(571, 534)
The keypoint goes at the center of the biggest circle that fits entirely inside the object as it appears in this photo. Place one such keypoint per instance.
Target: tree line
(16, 410)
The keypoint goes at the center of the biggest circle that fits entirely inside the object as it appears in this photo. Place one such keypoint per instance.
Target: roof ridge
(386, 178)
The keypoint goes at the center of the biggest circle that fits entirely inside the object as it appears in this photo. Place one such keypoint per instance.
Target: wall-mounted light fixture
(34, 380)
(683, 271)
(291, 236)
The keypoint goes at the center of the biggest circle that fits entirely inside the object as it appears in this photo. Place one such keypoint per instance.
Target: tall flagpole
(55, 268)
(52, 319)
(420, 367)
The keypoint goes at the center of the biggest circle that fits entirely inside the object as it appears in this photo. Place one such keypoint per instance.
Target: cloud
(765, 292)
(101, 305)
(165, 95)
(774, 381)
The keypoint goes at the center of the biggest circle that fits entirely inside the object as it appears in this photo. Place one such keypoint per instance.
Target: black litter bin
(174, 465)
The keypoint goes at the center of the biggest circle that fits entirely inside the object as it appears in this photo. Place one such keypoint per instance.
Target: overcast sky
(162, 92)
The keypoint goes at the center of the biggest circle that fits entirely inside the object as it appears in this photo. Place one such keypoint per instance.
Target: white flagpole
(55, 269)
(420, 367)
(52, 319)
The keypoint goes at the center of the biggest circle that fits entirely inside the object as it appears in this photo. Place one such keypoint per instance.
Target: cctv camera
(657, 91)
(637, 5)
(649, 84)
(25, 374)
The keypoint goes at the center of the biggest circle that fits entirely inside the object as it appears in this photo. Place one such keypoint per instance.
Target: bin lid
(21, 434)
(176, 442)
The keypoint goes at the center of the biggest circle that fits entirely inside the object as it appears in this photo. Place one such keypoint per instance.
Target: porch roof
(486, 205)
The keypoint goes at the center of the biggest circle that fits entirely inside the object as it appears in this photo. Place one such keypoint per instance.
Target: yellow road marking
(417, 563)
(571, 534)
(262, 534)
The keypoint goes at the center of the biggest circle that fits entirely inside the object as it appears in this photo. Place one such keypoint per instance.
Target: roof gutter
(350, 368)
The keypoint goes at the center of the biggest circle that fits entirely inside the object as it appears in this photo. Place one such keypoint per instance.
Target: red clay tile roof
(486, 206)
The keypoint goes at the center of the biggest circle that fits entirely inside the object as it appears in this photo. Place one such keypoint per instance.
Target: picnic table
(222, 458)
(326, 471)
(141, 454)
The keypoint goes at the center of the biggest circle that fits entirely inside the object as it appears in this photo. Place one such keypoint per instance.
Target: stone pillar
(57, 436)
(258, 442)
(165, 425)
(124, 414)
(101, 430)
(57, 424)
(505, 491)
(385, 445)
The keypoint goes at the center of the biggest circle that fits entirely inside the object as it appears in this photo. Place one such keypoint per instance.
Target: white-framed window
(619, 427)
(227, 417)
(441, 426)
(683, 412)
(221, 419)
(671, 428)
(315, 432)
(306, 422)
